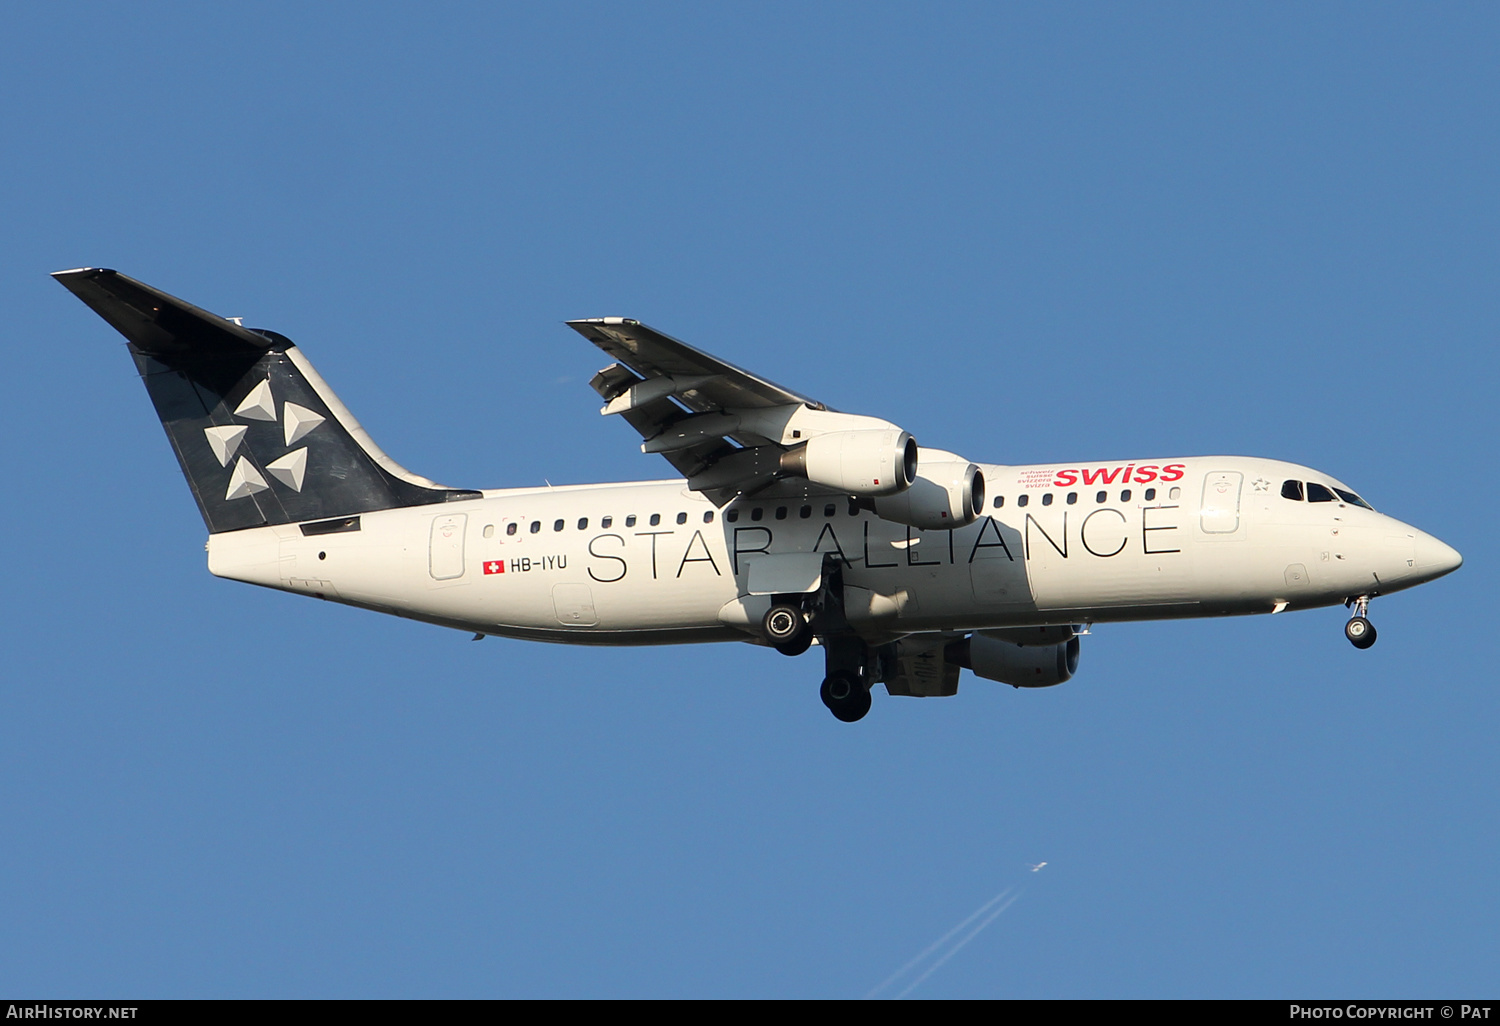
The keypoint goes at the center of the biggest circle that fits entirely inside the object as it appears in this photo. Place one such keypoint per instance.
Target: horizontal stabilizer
(155, 322)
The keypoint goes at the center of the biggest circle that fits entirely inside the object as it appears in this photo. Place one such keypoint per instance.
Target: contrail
(955, 949)
(981, 910)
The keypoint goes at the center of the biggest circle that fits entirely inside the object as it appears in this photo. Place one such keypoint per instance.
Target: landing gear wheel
(784, 624)
(1360, 632)
(798, 646)
(846, 696)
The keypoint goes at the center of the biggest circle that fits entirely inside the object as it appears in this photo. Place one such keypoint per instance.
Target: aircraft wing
(649, 353)
(720, 426)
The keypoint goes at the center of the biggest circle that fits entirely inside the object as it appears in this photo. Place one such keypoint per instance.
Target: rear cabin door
(445, 554)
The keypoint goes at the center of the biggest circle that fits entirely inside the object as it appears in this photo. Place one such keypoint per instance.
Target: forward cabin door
(1220, 516)
(1225, 567)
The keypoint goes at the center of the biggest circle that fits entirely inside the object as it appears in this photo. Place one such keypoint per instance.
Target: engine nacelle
(1038, 663)
(868, 462)
(948, 493)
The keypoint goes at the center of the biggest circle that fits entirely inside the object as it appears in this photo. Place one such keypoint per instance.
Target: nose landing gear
(1359, 630)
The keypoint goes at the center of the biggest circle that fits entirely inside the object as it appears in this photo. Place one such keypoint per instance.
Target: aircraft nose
(1434, 558)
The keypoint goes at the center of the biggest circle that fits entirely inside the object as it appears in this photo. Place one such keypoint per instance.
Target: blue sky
(1029, 234)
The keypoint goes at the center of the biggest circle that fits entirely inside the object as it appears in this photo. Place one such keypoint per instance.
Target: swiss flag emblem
(495, 566)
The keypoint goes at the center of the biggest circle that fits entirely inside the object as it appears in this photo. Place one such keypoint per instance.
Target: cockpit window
(1352, 499)
(1318, 493)
(1291, 490)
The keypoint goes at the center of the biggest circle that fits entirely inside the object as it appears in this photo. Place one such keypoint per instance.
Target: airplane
(788, 524)
(1036, 868)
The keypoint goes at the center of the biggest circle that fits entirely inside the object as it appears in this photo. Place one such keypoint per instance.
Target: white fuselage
(653, 562)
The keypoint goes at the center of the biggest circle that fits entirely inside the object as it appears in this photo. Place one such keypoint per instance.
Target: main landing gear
(845, 695)
(787, 628)
(1359, 630)
(846, 686)
(794, 620)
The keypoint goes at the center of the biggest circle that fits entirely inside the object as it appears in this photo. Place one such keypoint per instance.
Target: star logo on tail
(224, 441)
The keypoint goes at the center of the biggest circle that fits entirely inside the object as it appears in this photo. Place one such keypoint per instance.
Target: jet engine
(948, 492)
(867, 462)
(1037, 660)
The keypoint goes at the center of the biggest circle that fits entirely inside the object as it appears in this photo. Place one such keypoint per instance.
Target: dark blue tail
(260, 437)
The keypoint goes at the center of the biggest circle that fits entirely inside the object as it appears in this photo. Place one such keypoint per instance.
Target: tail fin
(260, 436)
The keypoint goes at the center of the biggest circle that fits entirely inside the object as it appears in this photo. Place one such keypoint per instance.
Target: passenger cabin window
(1150, 494)
(682, 518)
(755, 514)
(557, 525)
(1101, 497)
(1352, 499)
(655, 519)
(1125, 495)
(489, 530)
(510, 528)
(1047, 499)
(999, 501)
(606, 521)
(1291, 490)
(780, 512)
(805, 512)
(536, 526)
(583, 523)
(630, 520)
(733, 516)
(708, 517)
(1072, 498)
(1022, 500)
(1174, 494)
(1318, 493)
(830, 509)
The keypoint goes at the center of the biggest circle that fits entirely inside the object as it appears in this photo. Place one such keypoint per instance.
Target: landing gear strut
(1359, 630)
